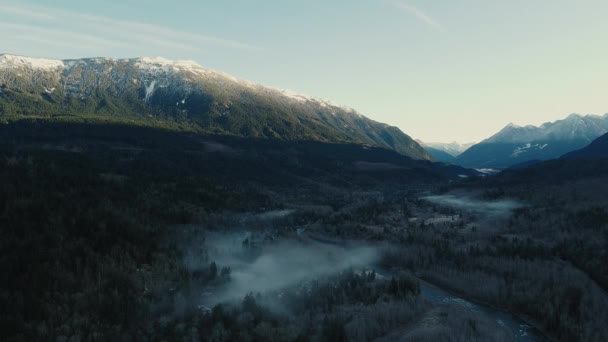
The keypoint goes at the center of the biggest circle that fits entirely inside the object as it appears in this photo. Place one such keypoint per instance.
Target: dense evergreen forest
(109, 231)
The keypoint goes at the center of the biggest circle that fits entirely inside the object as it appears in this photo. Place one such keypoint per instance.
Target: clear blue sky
(440, 70)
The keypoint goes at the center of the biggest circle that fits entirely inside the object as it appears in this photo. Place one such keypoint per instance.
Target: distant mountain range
(515, 145)
(185, 96)
(590, 162)
(454, 148)
(440, 155)
(444, 152)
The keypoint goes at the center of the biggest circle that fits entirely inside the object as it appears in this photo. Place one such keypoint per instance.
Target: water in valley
(520, 329)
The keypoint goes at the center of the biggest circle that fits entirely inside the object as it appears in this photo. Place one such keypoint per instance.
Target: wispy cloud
(24, 12)
(56, 36)
(419, 14)
(100, 34)
(143, 30)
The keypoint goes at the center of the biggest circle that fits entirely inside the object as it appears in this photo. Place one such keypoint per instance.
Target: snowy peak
(163, 63)
(166, 65)
(157, 70)
(516, 144)
(454, 148)
(514, 133)
(574, 116)
(307, 98)
(573, 127)
(576, 126)
(13, 61)
(160, 64)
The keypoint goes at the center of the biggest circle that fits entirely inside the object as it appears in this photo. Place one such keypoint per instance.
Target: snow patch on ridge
(306, 98)
(527, 148)
(10, 61)
(163, 64)
(156, 71)
(160, 64)
(149, 91)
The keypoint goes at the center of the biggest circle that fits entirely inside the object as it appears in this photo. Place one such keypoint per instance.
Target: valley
(303, 171)
(136, 232)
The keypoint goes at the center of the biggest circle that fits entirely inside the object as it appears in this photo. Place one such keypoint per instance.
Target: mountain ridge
(184, 92)
(440, 155)
(454, 148)
(598, 149)
(573, 126)
(515, 144)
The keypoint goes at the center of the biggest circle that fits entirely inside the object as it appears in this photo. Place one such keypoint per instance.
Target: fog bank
(500, 208)
(281, 264)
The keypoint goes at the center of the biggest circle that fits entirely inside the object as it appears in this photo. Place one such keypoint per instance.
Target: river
(522, 331)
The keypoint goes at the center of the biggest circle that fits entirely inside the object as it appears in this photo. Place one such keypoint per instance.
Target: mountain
(181, 95)
(440, 155)
(515, 144)
(444, 152)
(598, 149)
(589, 164)
(454, 148)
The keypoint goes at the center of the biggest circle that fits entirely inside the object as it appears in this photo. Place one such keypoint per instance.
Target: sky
(440, 70)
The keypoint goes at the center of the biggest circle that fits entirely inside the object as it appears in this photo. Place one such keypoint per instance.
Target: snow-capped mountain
(516, 144)
(453, 148)
(444, 152)
(574, 127)
(439, 155)
(183, 93)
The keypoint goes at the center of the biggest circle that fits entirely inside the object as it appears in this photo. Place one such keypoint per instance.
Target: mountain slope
(440, 155)
(183, 94)
(598, 149)
(454, 148)
(515, 144)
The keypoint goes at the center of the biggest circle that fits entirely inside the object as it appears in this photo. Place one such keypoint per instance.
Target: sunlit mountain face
(184, 94)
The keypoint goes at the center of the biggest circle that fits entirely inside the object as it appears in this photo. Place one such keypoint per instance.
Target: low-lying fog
(279, 264)
(465, 202)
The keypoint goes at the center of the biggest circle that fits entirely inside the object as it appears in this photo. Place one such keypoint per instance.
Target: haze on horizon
(441, 71)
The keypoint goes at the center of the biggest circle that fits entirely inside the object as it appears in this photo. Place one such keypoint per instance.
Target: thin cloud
(24, 12)
(419, 14)
(115, 32)
(144, 30)
(56, 36)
